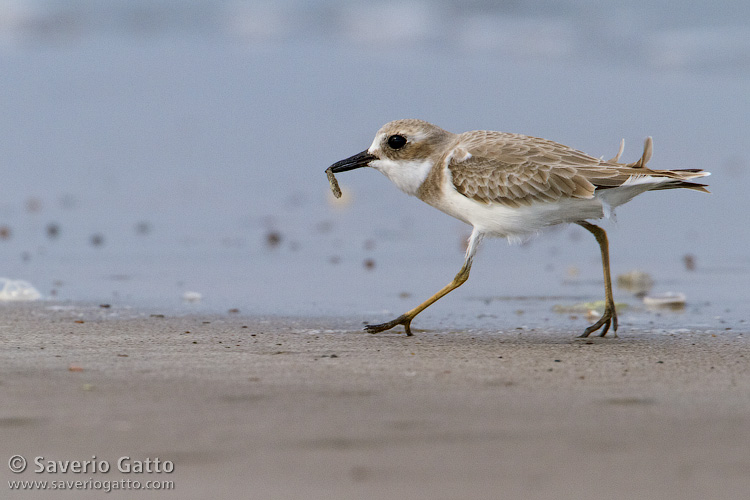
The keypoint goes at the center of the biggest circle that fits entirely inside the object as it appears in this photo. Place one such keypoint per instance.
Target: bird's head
(403, 150)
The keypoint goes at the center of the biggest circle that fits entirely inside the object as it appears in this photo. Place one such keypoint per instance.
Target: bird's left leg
(458, 280)
(610, 315)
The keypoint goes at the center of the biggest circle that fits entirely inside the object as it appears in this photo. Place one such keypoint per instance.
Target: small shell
(334, 183)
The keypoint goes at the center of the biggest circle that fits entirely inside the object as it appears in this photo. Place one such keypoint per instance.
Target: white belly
(498, 220)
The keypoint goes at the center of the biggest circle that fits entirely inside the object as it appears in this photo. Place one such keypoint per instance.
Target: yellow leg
(405, 319)
(610, 315)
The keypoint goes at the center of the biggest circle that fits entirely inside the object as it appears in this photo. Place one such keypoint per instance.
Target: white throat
(408, 175)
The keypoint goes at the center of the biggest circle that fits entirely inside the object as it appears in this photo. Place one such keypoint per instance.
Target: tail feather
(627, 180)
(616, 158)
(648, 150)
(680, 177)
(692, 171)
(682, 184)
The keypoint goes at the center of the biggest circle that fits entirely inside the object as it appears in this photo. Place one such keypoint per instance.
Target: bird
(509, 185)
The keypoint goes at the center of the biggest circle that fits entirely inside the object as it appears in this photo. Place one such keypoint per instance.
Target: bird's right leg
(405, 319)
(460, 279)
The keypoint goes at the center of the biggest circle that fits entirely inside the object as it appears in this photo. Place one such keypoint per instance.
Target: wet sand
(267, 408)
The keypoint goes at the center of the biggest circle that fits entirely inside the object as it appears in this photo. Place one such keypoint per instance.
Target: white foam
(17, 291)
(192, 297)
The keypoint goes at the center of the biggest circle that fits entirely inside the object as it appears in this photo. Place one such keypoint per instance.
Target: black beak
(359, 160)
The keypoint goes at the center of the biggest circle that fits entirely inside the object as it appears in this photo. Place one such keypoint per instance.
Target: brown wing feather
(517, 170)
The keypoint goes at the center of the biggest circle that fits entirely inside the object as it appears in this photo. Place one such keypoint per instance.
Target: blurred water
(150, 149)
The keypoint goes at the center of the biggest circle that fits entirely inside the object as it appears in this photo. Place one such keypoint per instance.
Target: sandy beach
(276, 407)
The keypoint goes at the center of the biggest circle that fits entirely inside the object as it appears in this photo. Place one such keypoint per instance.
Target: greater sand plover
(509, 185)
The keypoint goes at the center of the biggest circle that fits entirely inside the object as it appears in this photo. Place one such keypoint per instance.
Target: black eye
(397, 141)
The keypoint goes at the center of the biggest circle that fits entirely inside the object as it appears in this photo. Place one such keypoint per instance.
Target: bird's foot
(608, 318)
(401, 320)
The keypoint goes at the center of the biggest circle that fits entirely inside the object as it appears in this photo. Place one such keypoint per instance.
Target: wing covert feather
(517, 170)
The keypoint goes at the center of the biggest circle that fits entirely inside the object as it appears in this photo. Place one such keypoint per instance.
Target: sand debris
(669, 300)
(636, 282)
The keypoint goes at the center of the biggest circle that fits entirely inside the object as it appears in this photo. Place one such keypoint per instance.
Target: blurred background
(170, 154)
